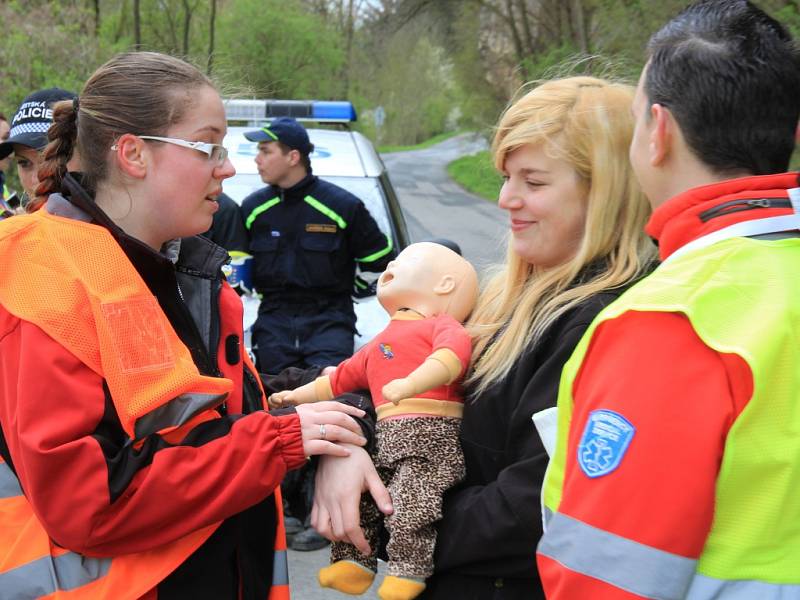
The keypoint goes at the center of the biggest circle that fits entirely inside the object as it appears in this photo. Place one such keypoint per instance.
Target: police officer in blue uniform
(306, 237)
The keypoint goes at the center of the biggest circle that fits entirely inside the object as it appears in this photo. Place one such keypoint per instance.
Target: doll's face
(406, 274)
(424, 278)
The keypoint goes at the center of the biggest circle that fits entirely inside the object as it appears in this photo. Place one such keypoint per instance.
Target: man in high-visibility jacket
(677, 460)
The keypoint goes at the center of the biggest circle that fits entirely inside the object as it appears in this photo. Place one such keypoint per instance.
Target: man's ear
(130, 153)
(661, 134)
(294, 157)
(446, 285)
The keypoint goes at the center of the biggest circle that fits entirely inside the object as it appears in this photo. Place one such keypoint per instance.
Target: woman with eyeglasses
(136, 457)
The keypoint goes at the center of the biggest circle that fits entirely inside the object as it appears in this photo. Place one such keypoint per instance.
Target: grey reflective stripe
(260, 209)
(280, 568)
(705, 588)
(9, 484)
(621, 562)
(47, 575)
(175, 412)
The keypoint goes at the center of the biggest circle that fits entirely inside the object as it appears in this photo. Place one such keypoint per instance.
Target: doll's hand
(281, 399)
(398, 389)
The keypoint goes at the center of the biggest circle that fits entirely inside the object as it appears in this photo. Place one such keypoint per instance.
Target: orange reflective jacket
(92, 301)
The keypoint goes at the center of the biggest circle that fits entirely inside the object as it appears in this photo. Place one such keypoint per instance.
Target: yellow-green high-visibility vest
(741, 296)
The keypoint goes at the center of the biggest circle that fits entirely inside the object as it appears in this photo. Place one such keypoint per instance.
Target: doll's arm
(319, 389)
(440, 368)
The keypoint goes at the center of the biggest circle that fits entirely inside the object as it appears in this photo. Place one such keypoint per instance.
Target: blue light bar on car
(322, 111)
(330, 110)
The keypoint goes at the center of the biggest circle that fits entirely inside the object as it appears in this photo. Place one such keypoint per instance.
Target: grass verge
(476, 174)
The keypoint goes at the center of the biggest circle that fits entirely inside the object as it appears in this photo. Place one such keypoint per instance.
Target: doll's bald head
(430, 279)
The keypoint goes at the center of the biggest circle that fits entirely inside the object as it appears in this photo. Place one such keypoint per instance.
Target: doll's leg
(417, 490)
(350, 571)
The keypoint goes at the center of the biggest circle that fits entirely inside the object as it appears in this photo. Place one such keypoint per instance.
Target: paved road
(434, 206)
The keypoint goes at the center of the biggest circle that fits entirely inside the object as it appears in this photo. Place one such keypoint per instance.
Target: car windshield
(367, 189)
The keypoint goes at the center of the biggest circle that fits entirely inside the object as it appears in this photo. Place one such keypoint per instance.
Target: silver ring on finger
(322, 431)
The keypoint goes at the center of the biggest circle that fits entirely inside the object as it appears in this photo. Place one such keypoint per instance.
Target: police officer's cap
(285, 130)
(32, 120)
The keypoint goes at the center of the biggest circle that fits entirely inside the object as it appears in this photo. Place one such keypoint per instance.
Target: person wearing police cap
(306, 236)
(28, 135)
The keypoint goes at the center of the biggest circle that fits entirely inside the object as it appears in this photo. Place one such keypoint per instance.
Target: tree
(276, 48)
(211, 32)
(45, 45)
(137, 25)
(188, 11)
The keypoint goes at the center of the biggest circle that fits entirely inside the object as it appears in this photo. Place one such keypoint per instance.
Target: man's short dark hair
(730, 75)
(304, 158)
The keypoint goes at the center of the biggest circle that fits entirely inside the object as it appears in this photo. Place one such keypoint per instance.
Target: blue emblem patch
(604, 442)
(386, 350)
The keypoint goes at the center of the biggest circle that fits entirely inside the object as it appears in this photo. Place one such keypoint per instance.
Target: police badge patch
(604, 442)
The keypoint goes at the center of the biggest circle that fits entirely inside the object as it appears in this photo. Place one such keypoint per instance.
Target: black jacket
(227, 228)
(486, 544)
(306, 241)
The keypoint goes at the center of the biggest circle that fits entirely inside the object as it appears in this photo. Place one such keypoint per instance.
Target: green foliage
(34, 57)
(411, 78)
(433, 65)
(476, 174)
(789, 15)
(480, 98)
(275, 49)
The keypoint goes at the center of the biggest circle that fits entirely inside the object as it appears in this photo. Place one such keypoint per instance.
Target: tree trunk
(348, 56)
(187, 22)
(96, 17)
(526, 26)
(515, 36)
(211, 30)
(580, 31)
(137, 26)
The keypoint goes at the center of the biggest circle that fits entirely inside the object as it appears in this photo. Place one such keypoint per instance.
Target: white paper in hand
(546, 422)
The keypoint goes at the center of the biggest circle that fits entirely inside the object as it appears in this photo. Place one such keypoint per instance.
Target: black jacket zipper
(734, 206)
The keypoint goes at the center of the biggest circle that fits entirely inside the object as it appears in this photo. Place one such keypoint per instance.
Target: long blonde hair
(587, 122)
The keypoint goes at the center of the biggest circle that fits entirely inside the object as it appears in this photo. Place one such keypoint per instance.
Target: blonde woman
(576, 219)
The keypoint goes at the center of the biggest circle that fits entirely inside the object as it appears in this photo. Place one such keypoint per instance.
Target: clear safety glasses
(216, 153)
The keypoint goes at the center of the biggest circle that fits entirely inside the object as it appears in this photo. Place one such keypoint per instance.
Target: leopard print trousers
(418, 459)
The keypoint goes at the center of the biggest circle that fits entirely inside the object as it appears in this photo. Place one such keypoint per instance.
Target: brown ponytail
(63, 134)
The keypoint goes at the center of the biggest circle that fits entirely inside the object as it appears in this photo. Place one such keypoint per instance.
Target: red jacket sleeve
(681, 397)
(67, 449)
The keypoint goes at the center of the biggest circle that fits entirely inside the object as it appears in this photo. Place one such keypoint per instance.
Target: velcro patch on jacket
(141, 339)
(321, 228)
(604, 442)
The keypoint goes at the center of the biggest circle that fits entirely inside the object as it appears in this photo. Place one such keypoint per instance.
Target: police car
(343, 157)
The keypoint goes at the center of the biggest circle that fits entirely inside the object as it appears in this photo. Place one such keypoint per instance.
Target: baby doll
(413, 369)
